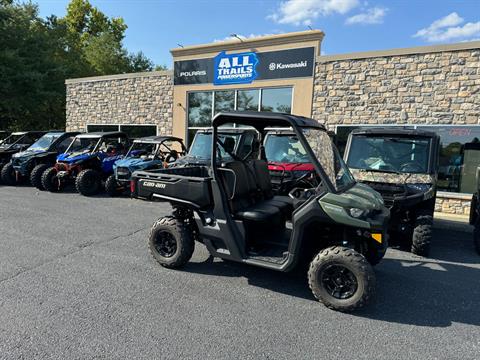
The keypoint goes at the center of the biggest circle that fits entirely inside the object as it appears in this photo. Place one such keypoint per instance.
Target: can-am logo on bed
(235, 68)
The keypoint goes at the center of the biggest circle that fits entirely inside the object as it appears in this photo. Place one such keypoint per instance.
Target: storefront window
(203, 105)
(247, 100)
(133, 131)
(277, 100)
(101, 128)
(138, 131)
(224, 101)
(199, 109)
(458, 159)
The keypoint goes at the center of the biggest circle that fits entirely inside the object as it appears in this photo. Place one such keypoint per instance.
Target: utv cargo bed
(185, 185)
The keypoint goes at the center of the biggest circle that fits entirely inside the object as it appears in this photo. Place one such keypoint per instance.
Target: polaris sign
(235, 68)
(243, 68)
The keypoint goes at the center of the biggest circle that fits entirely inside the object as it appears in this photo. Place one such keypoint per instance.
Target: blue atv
(87, 162)
(147, 153)
(32, 162)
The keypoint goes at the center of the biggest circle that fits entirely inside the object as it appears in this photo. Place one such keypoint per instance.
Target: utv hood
(70, 158)
(391, 178)
(27, 154)
(134, 164)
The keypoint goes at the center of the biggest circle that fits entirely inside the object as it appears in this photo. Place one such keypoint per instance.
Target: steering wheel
(301, 193)
(173, 156)
(411, 166)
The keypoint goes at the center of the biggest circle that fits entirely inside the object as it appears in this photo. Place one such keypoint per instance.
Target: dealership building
(435, 88)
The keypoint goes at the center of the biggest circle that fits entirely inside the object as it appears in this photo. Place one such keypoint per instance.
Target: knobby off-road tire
(171, 242)
(351, 265)
(49, 180)
(111, 186)
(88, 182)
(473, 210)
(476, 235)
(8, 175)
(36, 176)
(422, 233)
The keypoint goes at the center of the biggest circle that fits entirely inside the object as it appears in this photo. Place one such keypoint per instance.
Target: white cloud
(251, 36)
(303, 12)
(370, 16)
(449, 28)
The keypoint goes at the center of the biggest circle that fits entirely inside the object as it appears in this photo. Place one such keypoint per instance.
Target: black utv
(32, 162)
(402, 165)
(475, 213)
(336, 225)
(16, 142)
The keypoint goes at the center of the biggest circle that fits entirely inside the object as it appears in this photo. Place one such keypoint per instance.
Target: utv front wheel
(88, 182)
(422, 233)
(8, 175)
(111, 186)
(36, 176)
(50, 180)
(171, 242)
(341, 278)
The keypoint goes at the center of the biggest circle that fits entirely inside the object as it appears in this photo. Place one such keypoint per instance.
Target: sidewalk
(451, 222)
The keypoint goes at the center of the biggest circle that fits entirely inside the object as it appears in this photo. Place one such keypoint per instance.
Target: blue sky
(156, 26)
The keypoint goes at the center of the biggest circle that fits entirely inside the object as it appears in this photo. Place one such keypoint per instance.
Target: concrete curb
(452, 222)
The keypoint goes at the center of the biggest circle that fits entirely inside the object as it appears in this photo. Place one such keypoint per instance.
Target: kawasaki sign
(243, 68)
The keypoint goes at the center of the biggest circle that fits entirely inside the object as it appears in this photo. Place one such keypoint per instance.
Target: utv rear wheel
(422, 233)
(171, 242)
(88, 182)
(341, 278)
(112, 187)
(50, 180)
(36, 176)
(8, 175)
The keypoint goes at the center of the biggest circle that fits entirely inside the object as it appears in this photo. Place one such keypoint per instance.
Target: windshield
(389, 154)
(82, 145)
(285, 148)
(329, 158)
(11, 140)
(45, 141)
(202, 146)
(142, 149)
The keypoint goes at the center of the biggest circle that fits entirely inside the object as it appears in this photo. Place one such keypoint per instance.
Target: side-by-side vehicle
(401, 164)
(31, 163)
(147, 153)
(87, 162)
(16, 142)
(336, 224)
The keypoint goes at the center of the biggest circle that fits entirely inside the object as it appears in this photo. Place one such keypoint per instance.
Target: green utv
(337, 225)
(402, 165)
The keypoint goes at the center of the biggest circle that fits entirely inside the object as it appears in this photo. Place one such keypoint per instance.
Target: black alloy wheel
(339, 281)
(165, 244)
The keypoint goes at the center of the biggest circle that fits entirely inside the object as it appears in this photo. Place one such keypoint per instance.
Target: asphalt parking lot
(77, 282)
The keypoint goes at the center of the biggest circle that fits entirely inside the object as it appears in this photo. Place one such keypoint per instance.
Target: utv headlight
(356, 212)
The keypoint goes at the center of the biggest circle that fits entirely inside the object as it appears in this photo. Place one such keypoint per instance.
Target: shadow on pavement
(416, 291)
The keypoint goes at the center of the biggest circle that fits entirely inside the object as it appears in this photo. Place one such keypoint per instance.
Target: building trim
(270, 40)
(119, 76)
(401, 51)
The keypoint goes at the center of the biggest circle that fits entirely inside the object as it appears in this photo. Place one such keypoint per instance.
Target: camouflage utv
(402, 165)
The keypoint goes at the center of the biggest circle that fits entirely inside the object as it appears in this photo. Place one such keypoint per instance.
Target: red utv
(288, 163)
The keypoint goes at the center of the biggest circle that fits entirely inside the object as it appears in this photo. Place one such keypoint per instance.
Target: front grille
(61, 167)
(388, 191)
(123, 173)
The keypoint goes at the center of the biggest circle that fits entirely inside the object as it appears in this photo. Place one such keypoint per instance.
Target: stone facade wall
(431, 88)
(457, 204)
(129, 99)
